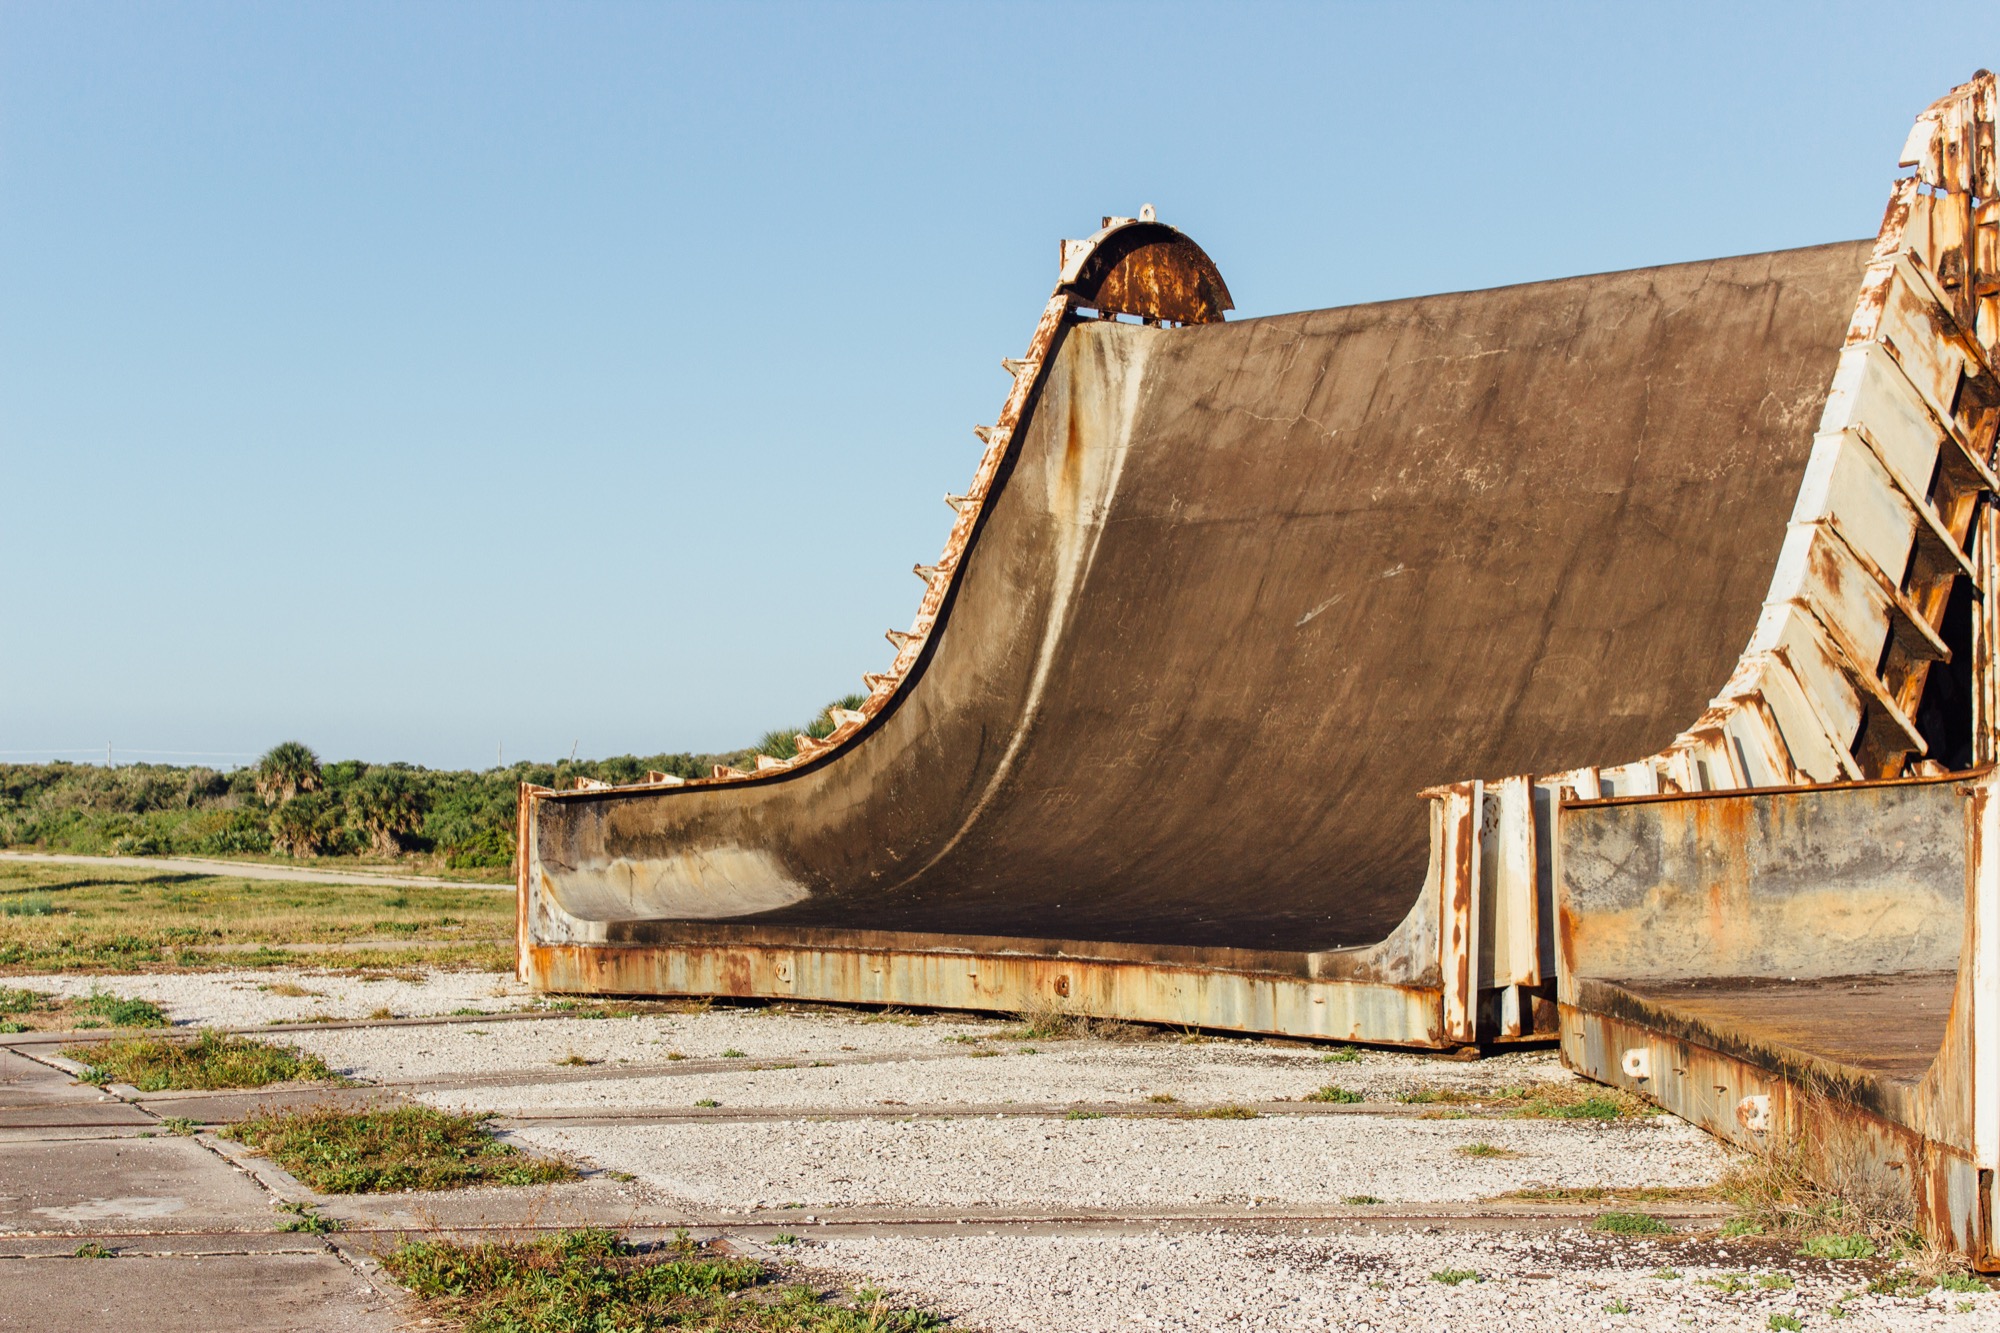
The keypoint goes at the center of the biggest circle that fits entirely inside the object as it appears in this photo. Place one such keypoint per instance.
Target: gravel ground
(1125, 1163)
(1374, 1282)
(245, 998)
(1077, 1282)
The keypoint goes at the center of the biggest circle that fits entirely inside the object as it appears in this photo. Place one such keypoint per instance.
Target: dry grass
(1051, 1020)
(122, 919)
(1538, 1101)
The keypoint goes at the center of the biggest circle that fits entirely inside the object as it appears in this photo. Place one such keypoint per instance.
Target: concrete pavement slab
(263, 1293)
(126, 1184)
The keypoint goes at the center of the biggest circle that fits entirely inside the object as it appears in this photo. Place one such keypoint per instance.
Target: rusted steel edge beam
(1238, 1001)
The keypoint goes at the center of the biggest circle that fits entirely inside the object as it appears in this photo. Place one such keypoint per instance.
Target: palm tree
(287, 768)
(303, 827)
(386, 806)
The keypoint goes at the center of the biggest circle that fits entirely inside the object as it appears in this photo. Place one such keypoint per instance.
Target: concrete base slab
(92, 1185)
(262, 1293)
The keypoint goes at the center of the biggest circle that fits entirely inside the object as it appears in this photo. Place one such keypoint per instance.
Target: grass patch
(1346, 1055)
(1333, 1092)
(1835, 1246)
(1360, 1200)
(1050, 1021)
(1451, 1277)
(1224, 1113)
(1786, 1322)
(211, 1060)
(126, 919)
(1084, 1115)
(28, 904)
(1486, 1150)
(395, 1148)
(37, 1011)
(1538, 1101)
(1630, 1224)
(594, 1280)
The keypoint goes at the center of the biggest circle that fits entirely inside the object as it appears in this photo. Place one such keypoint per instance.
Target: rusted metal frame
(1455, 850)
(1848, 658)
(524, 822)
(1985, 629)
(1980, 961)
(1219, 998)
(1907, 621)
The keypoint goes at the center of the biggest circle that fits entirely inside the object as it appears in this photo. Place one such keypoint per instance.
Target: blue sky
(418, 380)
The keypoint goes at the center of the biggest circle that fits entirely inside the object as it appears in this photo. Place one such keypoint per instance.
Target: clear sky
(422, 379)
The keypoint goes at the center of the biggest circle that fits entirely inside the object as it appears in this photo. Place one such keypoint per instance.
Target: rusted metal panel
(1814, 965)
(1217, 998)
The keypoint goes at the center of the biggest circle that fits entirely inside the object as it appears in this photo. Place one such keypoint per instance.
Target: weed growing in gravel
(1961, 1282)
(471, 1013)
(708, 1101)
(574, 1059)
(305, 1218)
(1835, 1246)
(732, 1054)
(976, 1055)
(1084, 1115)
(291, 990)
(1815, 1187)
(1486, 1150)
(1666, 1274)
(122, 1012)
(1451, 1277)
(393, 1148)
(1164, 1098)
(1600, 1194)
(1785, 1321)
(1729, 1284)
(91, 1249)
(1538, 1101)
(1775, 1282)
(784, 1238)
(1630, 1224)
(1618, 1306)
(1346, 1055)
(1898, 1282)
(593, 1279)
(1224, 1113)
(211, 1060)
(1360, 1200)
(1333, 1092)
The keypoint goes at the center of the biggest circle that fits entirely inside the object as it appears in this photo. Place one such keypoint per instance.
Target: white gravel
(1365, 1282)
(246, 998)
(1129, 1163)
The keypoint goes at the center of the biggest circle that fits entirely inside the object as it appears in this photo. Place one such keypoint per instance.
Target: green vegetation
(394, 1148)
(1333, 1092)
(1346, 1055)
(1084, 1115)
(1786, 1321)
(1487, 1150)
(304, 1217)
(120, 919)
(1451, 1277)
(211, 1060)
(1224, 1113)
(1630, 1224)
(1538, 1101)
(91, 1249)
(1360, 1200)
(181, 1125)
(37, 1011)
(1836, 1246)
(582, 1281)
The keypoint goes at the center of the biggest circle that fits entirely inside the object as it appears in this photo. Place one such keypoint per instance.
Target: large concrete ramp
(1204, 710)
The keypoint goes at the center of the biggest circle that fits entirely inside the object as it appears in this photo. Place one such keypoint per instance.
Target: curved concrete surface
(1242, 591)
